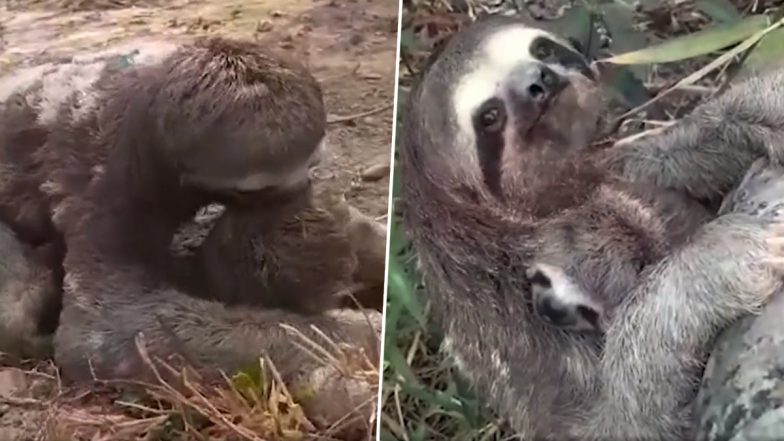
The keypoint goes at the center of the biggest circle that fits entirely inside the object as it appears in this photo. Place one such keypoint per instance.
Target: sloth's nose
(555, 312)
(574, 316)
(536, 82)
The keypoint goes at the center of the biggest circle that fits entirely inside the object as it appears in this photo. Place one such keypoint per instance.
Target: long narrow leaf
(770, 50)
(721, 60)
(696, 44)
(401, 290)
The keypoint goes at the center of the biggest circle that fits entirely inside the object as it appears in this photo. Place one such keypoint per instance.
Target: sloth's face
(518, 99)
(528, 100)
(235, 181)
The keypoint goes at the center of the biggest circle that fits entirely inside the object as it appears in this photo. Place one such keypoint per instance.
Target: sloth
(27, 289)
(317, 243)
(496, 154)
(589, 257)
(105, 156)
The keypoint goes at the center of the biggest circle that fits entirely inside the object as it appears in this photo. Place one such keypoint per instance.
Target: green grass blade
(401, 290)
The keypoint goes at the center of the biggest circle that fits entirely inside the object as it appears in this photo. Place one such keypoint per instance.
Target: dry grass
(180, 403)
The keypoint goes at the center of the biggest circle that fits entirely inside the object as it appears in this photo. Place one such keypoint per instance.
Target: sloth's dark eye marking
(491, 117)
(488, 123)
(541, 50)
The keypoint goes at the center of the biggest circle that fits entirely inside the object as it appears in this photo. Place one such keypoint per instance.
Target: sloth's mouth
(543, 109)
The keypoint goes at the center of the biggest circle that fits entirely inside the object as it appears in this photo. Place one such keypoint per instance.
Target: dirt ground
(350, 46)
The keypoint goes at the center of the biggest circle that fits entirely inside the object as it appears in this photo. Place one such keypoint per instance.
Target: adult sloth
(494, 148)
(106, 155)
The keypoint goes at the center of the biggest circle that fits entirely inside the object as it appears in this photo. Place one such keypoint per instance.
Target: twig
(631, 138)
(336, 119)
(22, 402)
(687, 88)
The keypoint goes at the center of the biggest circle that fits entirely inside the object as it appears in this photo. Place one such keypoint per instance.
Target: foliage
(681, 43)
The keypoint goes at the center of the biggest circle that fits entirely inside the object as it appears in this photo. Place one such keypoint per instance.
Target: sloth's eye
(542, 50)
(492, 117)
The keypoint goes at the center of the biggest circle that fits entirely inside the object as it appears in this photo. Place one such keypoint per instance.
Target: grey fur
(638, 380)
(602, 246)
(708, 152)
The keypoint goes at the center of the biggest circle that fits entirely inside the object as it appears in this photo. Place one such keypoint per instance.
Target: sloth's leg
(29, 298)
(101, 321)
(708, 152)
(656, 345)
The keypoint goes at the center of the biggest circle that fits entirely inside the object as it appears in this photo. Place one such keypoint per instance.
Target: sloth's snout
(560, 302)
(555, 311)
(536, 83)
(565, 315)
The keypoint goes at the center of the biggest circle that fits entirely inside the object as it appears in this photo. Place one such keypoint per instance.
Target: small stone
(375, 172)
(263, 26)
(12, 381)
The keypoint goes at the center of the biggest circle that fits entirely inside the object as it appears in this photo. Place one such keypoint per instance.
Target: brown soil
(349, 46)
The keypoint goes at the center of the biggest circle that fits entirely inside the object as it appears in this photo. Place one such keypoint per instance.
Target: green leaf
(696, 44)
(399, 365)
(400, 290)
(420, 434)
(409, 41)
(769, 50)
(391, 319)
(386, 435)
(720, 11)
(577, 23)
(627, 88)
(619, 20)
(252, 382)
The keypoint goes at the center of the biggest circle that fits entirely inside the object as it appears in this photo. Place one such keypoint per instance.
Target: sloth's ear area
(561, 302)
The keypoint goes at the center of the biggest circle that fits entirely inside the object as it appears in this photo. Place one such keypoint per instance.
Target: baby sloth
(317, 244)
(107, 155)
(590, 257)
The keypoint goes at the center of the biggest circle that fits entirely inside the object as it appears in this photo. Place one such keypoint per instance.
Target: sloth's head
(227, 118)
(502, 102)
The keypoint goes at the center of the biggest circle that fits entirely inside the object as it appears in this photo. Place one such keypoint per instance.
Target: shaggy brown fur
(117, 164)
(307, 249)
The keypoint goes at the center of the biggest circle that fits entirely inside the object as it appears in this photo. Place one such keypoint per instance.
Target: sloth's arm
(707, 152)
(653, 354)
